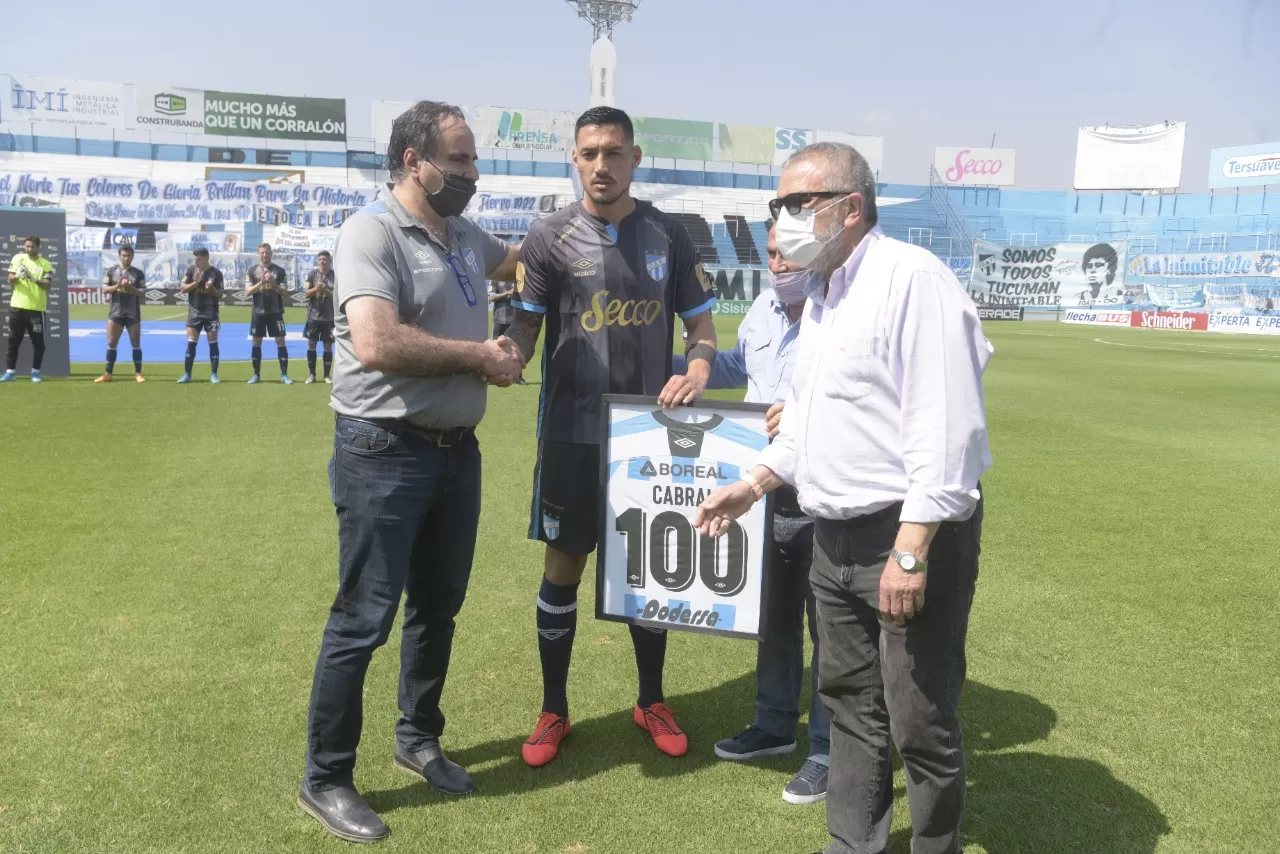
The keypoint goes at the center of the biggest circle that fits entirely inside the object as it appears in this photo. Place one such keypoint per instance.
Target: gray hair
(846, 170)
(418, 128)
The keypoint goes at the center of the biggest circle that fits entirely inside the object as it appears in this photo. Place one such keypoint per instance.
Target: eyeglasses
(794, 202)
(464, 281)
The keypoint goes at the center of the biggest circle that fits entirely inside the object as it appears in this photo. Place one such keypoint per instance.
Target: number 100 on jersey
(653, 568)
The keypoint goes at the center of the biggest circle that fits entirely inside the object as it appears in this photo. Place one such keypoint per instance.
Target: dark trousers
(780, 655)
(883, 681)
(407, 516)
(25, 321)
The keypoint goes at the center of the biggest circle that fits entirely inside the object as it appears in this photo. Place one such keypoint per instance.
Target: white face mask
(796, 240)
(792, 288)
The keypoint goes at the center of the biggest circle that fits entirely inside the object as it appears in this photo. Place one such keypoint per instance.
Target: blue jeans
(780, 655)
(407, 516)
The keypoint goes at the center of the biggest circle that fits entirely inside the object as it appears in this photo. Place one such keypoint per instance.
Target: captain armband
(701, 351)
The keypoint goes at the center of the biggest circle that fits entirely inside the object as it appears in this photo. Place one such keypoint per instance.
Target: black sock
(213, 357)
(651, 652)
(328, 360)
(311, 361)
(111, 359)
(282, 352)
(191, 357)
(137, 360)
(256, 355)
(557, 622)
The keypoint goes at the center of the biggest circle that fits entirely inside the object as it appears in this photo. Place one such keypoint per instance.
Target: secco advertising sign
(168, 108)
(1245, 166)
(981, 166)
(55, 100)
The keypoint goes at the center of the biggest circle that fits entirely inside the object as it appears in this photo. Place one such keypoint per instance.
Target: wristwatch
(909, 562)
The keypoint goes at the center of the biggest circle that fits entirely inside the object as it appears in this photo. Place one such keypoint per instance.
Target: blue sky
(921, 74)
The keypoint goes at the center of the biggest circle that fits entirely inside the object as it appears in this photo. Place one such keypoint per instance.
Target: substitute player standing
(125, 285)
(609, 273)
(320, 315)
(31, 276)
(267, 287)
(203, 286)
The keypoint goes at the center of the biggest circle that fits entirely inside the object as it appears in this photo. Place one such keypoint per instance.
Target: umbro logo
(685, 442)
(584, 267)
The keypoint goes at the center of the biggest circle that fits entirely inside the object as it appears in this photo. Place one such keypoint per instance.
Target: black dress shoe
(432, 765)
(343, 813)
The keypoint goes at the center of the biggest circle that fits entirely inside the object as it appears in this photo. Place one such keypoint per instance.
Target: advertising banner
(188, 241)
(1000, 313)
(732, 307)
(680, 138)
(168, 108)
(275, 116)
(382, 114)
(1130, 158)
(1183, 321)
(746, 144)
(975, 166)
(1245, 166)
(1204, 265)
(83, 239)
(1089, 317)
(1249, 324)
(55, 100)
(653, 568)
(1063, 274)
(787, 141)
(525, 130)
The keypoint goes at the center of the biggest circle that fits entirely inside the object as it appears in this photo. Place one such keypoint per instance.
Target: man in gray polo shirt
(409, 387)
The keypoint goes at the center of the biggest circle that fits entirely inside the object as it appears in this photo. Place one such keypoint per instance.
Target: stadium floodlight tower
(604, 15)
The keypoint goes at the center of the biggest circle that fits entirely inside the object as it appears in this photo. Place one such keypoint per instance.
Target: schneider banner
(275, 116)
(652, 567)
(1064, 274)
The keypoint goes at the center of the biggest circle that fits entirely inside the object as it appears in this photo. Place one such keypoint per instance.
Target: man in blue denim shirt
(762, 361)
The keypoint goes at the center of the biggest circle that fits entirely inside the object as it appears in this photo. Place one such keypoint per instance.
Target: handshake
(502, 362)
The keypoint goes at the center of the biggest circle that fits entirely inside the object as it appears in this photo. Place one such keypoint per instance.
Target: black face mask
(453, 196)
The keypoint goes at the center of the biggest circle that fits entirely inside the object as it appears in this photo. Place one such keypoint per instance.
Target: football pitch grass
(168, 557)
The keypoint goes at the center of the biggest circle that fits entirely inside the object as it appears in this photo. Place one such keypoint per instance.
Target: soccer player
(320, 316)
(267, 287)
(125, 285)
(609, 273)
(203, 286)
(31, 276)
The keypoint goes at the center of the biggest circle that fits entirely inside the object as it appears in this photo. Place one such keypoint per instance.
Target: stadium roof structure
(604, 15)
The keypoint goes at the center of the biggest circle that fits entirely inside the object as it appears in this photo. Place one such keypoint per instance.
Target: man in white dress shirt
(884, 437)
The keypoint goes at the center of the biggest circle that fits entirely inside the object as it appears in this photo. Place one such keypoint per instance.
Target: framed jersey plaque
(657, 465)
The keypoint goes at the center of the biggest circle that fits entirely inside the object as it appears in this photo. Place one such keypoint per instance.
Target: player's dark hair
(267, 245)
(33, 239)
(200, 253)
(1104, 251)
(603, 117)
(125, 247)
(418, 128)
(324, 253)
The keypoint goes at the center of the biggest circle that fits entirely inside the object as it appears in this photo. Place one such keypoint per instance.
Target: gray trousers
(882, 681)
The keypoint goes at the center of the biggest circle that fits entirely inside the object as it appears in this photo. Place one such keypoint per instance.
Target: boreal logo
(656, 265)
(606, 312)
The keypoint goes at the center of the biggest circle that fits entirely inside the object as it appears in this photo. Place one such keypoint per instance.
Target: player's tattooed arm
(524, 332)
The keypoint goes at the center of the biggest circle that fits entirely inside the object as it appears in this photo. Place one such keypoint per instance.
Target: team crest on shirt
(469, 256)
(657, 266)
(551, 526)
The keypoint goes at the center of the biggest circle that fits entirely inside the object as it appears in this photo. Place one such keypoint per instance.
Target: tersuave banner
(653, 568)
(1064, 274)
(1245, 166)
(975, 166)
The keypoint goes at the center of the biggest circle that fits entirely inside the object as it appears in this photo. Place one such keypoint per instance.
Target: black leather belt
(442, 438)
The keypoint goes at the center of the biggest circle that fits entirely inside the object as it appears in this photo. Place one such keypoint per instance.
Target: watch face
(908, 562)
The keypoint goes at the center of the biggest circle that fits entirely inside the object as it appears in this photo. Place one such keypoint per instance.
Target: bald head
(840, 167)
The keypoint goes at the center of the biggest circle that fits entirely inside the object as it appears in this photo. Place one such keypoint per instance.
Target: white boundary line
(1260, 352)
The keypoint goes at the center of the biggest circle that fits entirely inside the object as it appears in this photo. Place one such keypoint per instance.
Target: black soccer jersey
(268, 303)
(125, 306)
(201, 304)
(611, 297)
(320, 307)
